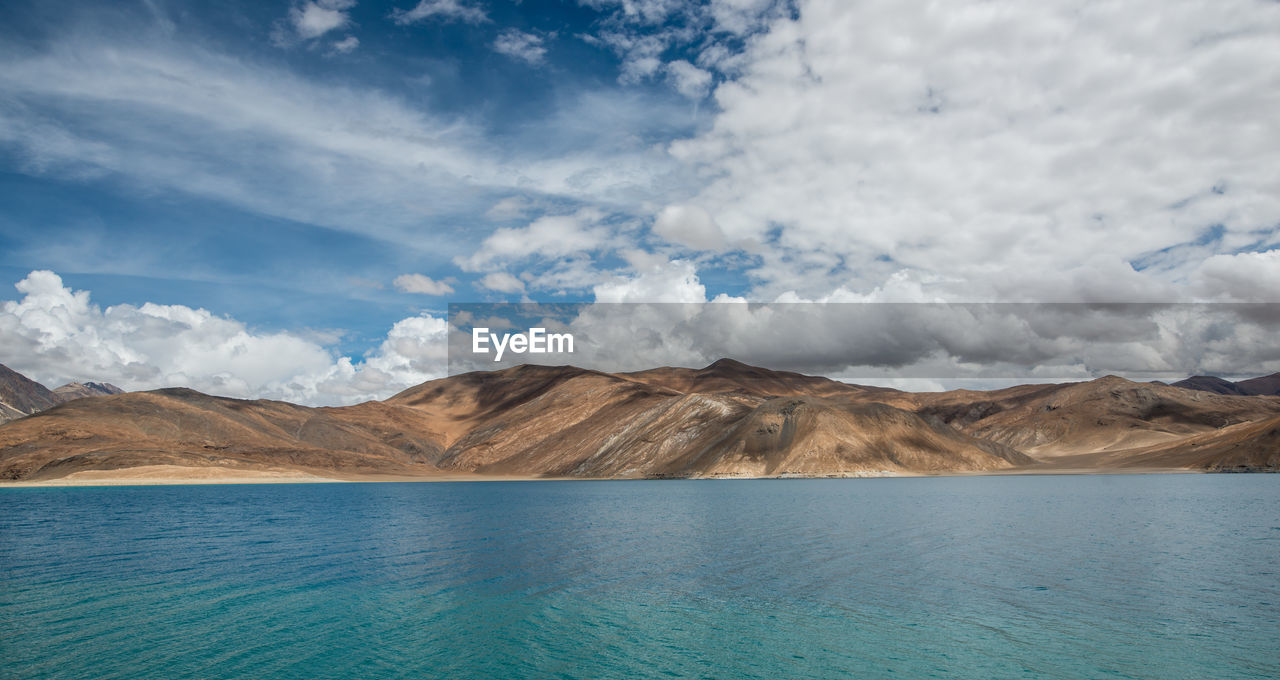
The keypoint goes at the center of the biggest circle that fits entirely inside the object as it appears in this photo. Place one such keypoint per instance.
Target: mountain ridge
(727, 419)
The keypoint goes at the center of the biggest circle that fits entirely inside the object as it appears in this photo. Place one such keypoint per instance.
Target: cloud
(1009, 150)
(425, 285)
(502, 282)
(509, 208)
(443, 10)
(312, 19)
(689, 80)
(527, 47)
(943, 345)
(56, 335)
(740, 17)
(347, 44)
(674, 281)
(177, 118)
(644, 11)
(1244, 277)
(546, 237)
(647, 33)
(689, 226)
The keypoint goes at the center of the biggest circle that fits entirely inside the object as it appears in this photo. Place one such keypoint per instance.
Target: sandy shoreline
(154, 475)
(159, 475)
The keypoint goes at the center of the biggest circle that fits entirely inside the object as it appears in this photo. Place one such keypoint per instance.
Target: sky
(280, 199)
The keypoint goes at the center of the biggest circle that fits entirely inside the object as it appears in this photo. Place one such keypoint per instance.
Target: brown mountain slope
(1107, 414)
(1209, 383)
(187, 428)
(564, 421)
(1244, 447)
(77, 390)
(1265, 385)
(21, 396)
(727, 419)
(527, 420)
(727, 375)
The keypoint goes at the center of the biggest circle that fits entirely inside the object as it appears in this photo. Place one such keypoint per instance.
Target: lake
(1125, 576)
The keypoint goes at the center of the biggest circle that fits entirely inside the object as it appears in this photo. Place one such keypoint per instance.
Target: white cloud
(502, 282)
(1012, 149)
(347, 44)
(689, 80)
(419, 283)
(527, 47)
(690, 226)
(942, 345)
(646, 11)
(1244, 277)
(743, 16)
(444, 10)
(312, 19)
(674, 281)
(56, 335)
(509, 208)
(177, 118)
(549, 236)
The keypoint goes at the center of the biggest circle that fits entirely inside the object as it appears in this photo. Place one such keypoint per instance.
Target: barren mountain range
(20, 396)
(725, 420)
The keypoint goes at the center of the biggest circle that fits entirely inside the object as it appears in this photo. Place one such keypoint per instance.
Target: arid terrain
(725, 420)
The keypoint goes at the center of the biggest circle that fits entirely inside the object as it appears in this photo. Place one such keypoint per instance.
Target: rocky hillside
(1266, 385)
(20, 396)
(725, 420)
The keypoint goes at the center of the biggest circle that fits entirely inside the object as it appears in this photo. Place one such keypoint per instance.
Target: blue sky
(307, 177)
(134, 239)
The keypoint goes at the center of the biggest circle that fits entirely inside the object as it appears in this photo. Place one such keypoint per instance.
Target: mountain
(1266, 385)
(1110, 415)
(527, 421)
(724, 420)
(21, 396)
(727, 375)
(77, 390)
(1242, 447)
(186, 428)
(720, 421)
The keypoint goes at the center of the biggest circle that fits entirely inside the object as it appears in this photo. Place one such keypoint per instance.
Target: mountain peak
(727, 364)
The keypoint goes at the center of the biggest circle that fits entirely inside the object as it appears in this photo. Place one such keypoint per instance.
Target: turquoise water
(1141, 576)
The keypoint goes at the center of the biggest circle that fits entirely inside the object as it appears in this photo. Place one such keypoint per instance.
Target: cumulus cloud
(674, 281)
(443, 10)
(420, 283)
(689, 80)
(527, 47)
(502, 282)
(740, 17)
(56, 335)
(1013, 149)
(940, 344)
(689, 226)
(546, 237)
(310, 20)
(1245, 277)
(645, 34)
(347, 44)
